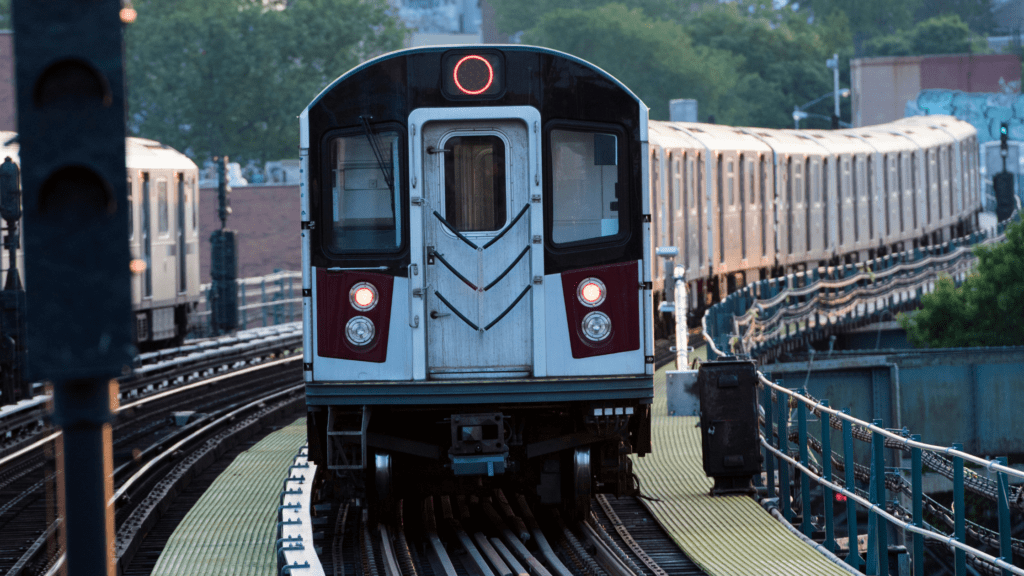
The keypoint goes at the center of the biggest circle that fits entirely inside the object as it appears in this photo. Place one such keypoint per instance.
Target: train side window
(751, 183)
(131, 212)
(195, 204)
(585, 172)
(163, 208)
(677, 184)
(690, 184)
(365, 204)
(730, 178)
(798, 181)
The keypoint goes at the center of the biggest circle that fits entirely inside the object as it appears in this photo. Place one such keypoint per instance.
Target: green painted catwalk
(230, 530)
(725, 536)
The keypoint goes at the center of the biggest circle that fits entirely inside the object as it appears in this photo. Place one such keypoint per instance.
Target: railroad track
(165, 431)
(498, 536)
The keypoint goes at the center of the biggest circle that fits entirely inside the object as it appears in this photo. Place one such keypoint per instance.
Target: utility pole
(69, 65)
(833, 63)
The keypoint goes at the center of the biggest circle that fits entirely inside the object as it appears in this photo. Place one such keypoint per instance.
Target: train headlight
(597, 326)
(363, 296)
(591, 292)
(359, 330)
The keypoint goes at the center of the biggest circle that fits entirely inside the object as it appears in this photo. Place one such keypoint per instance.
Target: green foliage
(781, 60)
(946, 34)
(868, 18)
(986, 310)
(976, 13)
(229, 77)
(520, 15)
(656, 59)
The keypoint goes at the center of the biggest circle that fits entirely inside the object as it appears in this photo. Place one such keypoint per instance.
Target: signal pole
(224, 262)
(69, 63)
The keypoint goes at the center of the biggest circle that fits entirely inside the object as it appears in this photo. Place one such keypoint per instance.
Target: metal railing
(262, 301)
(779, 403)
(770, 316)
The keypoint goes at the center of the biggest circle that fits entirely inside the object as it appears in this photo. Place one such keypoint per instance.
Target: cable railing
(766, 318)
(262, 301)
(987, 550)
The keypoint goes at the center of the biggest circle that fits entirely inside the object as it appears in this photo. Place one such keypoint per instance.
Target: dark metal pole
(82, 410)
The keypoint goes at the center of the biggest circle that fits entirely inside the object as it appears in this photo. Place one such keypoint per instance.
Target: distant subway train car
(476, 287)
(744, 204)
(163, 200)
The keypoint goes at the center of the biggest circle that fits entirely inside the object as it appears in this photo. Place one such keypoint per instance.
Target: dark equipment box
(728, 424)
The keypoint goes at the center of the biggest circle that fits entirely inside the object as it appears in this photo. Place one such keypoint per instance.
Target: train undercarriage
(561, 453)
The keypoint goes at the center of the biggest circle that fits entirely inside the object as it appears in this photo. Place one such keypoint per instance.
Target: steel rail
(141, 472)
(41, 442)
(606, 557)
(876, 509)
(816, 405)
(388, 550)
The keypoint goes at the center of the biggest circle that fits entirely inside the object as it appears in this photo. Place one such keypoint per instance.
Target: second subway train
(744, 204)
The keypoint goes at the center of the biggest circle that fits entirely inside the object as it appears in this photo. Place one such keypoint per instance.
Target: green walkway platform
(231, 529)
(724, 535)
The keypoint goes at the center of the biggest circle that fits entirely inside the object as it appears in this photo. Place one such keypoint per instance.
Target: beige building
(882, 86)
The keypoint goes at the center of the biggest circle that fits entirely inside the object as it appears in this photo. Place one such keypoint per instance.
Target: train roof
(892, 136)
(491, 47)
(142, 153)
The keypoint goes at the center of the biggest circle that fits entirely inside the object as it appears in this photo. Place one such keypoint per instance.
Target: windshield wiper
(389, 176)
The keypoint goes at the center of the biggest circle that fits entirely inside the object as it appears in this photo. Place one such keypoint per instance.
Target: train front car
(476, 299)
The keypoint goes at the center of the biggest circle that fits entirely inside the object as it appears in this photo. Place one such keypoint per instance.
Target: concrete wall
(883, 86)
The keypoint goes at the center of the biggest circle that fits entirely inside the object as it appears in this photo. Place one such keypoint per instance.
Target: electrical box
(728, 424)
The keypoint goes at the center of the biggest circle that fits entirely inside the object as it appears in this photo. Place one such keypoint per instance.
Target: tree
(212, 77)
(656, 59)
(867, 18)
(780, 56)
(939, 35)
(976, 13)
(986, 310)
(520, 15)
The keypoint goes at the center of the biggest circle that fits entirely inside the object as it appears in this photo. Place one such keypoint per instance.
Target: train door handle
(434, 314)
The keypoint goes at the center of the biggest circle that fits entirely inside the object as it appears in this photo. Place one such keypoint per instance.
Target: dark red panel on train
(621, 304)
(334, 310)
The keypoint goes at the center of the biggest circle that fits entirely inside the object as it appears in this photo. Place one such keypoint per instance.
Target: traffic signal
(223, 189)
(69, 64)
(1004, 135)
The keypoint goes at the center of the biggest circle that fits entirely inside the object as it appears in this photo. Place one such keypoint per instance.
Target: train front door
(477, 239)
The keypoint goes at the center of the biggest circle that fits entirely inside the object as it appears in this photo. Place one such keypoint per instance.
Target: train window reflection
(365, 204)
(474, 183)
(585, 181)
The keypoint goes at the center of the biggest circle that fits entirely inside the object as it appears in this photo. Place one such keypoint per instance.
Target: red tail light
(602, 306)
(353, 314)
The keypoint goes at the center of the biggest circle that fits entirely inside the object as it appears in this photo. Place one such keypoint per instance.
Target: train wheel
(383, 483)
(577, 501)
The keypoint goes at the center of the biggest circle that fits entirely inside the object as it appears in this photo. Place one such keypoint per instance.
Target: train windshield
(585, 174)
(365, 206)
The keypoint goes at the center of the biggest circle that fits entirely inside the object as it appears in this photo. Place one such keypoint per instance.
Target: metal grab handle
(414, 319)
(434, 314)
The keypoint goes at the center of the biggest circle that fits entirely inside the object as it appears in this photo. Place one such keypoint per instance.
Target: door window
(474, 182)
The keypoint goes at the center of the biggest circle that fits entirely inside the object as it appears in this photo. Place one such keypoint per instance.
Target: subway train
(744, 204)
(163, 200)
(476, 277)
